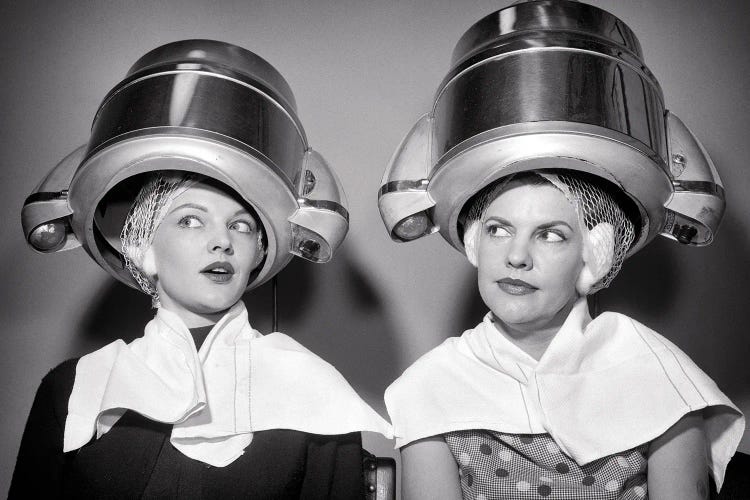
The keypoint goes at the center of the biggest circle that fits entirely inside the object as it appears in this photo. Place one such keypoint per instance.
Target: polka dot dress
(494, 465)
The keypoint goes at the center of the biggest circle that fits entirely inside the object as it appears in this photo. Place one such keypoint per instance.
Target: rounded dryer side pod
(199, 106)
(551, 84)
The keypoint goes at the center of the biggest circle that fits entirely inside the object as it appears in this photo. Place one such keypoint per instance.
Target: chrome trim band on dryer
(331, 206)
(389, 187)
(699, 187)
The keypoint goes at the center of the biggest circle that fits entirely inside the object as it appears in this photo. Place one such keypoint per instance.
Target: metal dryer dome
(200, 106)
(551, 84)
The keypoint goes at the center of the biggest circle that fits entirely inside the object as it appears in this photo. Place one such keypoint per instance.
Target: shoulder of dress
(63, 374)
(621, 329)
(624, 335)
(57, 385)
(622, 324)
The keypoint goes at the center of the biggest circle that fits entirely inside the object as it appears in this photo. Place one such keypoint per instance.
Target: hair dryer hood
(551, 84)
(200, 106)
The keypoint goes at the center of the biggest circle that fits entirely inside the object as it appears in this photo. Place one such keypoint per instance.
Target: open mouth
(219, 272)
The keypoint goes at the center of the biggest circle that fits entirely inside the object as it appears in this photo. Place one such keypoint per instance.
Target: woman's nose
(220, 241)
(518, 256)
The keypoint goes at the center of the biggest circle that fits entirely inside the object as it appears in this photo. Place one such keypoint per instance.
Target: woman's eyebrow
(243, 211)
(554, 223)
(498, 219)
(190, 205)
(546, 225)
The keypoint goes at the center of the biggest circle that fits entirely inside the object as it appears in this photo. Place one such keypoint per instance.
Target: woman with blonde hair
(196, 185)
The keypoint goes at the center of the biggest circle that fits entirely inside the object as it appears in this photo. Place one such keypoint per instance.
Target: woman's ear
(148, 264)
(598, 254)
(471, 240)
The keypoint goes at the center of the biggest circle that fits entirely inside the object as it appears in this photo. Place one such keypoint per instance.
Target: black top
(200, 334)
(136, 460)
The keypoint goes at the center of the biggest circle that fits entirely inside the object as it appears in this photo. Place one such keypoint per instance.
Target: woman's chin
(514, 310)
(214, 308)
(518, 321)
(529, 318)
(521, 312)
(209, 310)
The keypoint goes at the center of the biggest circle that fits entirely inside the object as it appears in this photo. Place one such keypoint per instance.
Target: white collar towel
(602, 386)
(238, 383)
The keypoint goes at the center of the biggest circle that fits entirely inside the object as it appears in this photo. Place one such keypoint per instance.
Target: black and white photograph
(375, 250)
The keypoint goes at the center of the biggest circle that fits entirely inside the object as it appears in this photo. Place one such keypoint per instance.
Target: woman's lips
(515, 287)
(219, 272)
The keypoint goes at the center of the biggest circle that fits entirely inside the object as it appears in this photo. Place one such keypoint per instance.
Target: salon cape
(238, 383)
(602, 386)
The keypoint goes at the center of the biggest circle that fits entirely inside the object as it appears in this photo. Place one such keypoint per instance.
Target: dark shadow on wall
(120, 312)
(334, 311)
(646, 285)
(471, 310)
(331, 309)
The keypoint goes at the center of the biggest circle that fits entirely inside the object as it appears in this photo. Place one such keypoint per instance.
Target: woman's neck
(193, 319)
(534, 338)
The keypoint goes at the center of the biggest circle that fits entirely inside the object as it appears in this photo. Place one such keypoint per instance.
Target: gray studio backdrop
(362, 73)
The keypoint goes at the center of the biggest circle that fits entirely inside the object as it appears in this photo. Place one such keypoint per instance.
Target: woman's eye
(552, 236)
(497, 231)
(190, 221)
(242, 226)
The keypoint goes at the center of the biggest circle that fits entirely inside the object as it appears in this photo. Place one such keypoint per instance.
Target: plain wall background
(362, 73)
